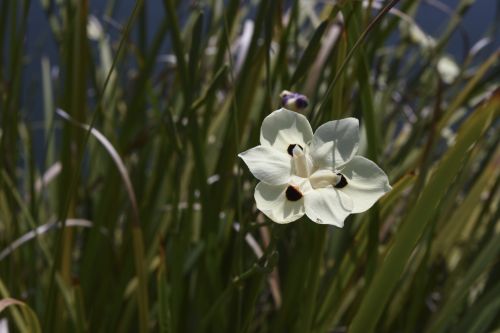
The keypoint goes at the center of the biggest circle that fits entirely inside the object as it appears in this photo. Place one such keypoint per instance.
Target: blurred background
(124, 207)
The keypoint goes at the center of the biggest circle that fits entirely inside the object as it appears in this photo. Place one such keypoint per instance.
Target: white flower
(448, 69)
(94, 28)
(318, 175)
(418, 36)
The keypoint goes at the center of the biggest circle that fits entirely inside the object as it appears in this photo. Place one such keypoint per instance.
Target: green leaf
(387, 276)
(310, 53)
(164, 312)
(26, 320)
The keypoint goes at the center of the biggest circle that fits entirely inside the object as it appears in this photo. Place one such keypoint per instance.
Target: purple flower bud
(293, 101)
(301, 102)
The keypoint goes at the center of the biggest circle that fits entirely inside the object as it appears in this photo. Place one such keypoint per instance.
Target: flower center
(342, 181)
(292, 193)
(291, 147)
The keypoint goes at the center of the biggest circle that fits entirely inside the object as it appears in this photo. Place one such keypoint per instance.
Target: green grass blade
(310, 53)
(388, 274)
(164, 312)
(452, 305)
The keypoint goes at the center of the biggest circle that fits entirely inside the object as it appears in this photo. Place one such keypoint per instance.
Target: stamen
(291, 147)
(342, 181)
(300, 162)
(323, 178)
(292, 193)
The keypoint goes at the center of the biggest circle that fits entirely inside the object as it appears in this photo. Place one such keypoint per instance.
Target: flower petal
(283, 128)
(335, 142)
(327, 206)
(271, 200)
(268, 165)
(366, 183)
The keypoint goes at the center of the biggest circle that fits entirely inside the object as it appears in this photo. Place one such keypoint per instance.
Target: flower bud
(293, 101)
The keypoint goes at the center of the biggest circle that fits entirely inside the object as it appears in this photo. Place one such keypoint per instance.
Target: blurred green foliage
(141, 218)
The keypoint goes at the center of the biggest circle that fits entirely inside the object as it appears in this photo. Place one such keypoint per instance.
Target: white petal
(335, 142)
(366, 183)
(268, 165)
(327, 206)
(283, 128)
(271, 201)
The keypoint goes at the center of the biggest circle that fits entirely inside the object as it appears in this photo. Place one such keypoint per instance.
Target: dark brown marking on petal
(292, 193)
(342, 182)
(290, 148)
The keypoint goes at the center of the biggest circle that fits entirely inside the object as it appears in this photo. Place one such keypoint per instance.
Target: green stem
(318, 240)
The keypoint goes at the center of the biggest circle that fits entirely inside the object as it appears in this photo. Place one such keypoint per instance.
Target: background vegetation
(147, 222)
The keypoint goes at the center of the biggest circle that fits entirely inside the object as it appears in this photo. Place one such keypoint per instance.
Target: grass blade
(387, 276)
